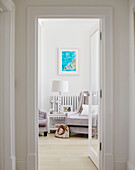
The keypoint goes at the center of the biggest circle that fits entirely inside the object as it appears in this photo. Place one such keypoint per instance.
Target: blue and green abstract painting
(68, 60)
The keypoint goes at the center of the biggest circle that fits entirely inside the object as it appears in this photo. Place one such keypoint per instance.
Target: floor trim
(120, 164)
(130, 166)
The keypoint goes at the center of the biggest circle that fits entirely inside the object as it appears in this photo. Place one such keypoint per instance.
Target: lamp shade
(59, 86)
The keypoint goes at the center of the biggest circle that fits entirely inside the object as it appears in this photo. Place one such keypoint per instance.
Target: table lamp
(59, 86)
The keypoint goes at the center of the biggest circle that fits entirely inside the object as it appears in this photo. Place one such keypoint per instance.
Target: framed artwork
(66, 108)
(68, 62)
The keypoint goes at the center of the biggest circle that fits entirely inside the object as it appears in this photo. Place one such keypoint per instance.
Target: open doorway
(105, 13)
(69, 35)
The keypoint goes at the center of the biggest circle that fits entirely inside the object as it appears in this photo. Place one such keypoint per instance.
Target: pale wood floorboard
(64, 154)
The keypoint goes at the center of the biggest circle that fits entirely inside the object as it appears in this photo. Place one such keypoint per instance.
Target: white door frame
(7, 117)
(105, 13)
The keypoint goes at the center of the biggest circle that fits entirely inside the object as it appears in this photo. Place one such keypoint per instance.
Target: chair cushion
(42, 122)
(41, 116)
(80, 120)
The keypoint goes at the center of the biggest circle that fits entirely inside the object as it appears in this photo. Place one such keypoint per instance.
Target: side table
(55, 120)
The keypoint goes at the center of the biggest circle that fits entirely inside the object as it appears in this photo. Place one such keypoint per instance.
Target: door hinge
(101, 94)
(100, 35)
(100, 148)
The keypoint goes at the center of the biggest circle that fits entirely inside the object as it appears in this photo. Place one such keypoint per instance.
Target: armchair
(77, 122)
(42, 121)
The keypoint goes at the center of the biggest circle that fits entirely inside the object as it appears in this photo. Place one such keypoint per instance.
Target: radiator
(65, 100)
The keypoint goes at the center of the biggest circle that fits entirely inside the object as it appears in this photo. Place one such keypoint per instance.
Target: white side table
(54, 120)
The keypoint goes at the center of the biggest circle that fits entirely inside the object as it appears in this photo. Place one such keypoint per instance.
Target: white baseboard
(10, 163)
(13, 162)
(120, 164)
(20, 165)
(130, 166)
(32, 163)
(108, 161)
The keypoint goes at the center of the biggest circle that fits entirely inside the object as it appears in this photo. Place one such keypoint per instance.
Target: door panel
(94, 121)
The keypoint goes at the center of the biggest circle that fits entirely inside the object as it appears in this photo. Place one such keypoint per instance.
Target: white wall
(39, 63)
(64, 34)
(94, 53)
(121, 74)
(131, 156)
(7, 83)
(1, 96)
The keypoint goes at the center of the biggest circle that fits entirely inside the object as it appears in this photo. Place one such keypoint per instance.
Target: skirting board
(130, 166)
(120, 164)
(10, 163)
(13, 162)
(108, 161)
(32, 161)
(20, 165)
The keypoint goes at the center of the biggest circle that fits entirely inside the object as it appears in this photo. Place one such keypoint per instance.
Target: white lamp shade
(59, 86)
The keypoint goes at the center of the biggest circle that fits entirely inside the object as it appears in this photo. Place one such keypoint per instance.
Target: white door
(94, 117)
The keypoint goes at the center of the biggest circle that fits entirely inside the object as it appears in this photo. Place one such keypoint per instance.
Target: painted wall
(121, 74)
(131, 156)
(1, 97)
(67, 34)
(94, 53)
(40, 39)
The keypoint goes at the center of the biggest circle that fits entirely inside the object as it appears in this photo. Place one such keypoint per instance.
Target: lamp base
(59, 102)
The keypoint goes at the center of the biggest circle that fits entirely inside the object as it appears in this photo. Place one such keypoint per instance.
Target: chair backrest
(83, 99)
(42, 115)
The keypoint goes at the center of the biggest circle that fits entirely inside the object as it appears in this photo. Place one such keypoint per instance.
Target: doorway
(70, 33)
(86, 12)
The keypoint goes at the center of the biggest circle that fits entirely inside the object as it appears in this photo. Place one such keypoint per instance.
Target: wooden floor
(64, 154)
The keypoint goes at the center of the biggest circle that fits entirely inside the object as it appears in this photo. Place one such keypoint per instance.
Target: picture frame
(66, 108)
(68, 61)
